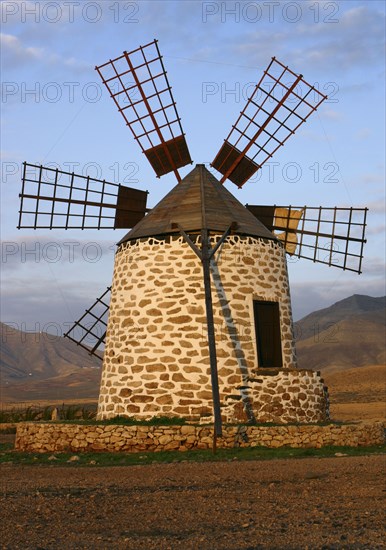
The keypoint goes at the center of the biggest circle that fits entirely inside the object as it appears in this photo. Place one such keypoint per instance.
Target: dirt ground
(325, 503)
(281, 504)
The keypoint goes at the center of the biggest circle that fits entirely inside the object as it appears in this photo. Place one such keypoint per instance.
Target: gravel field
(282, 504)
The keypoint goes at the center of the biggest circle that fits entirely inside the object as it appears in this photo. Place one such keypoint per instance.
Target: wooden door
(268, 337)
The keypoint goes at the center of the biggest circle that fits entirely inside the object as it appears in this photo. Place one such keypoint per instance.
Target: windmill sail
(89, 332)
(139, 86)
(55, 199)
(288, 219)
(332, 236)
(279, 104)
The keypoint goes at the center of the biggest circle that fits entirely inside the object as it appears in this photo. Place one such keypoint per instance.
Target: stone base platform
(58, 437)
(280, 396)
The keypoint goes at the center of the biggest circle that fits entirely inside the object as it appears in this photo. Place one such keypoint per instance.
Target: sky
(55, 112)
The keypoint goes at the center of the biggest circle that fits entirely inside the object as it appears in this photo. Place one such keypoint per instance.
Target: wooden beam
(206, 255)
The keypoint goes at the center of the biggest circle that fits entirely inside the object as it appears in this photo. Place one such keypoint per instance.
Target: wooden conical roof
(198, 202)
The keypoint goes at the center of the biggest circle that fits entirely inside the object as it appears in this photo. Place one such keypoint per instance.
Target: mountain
(350, 333)
(43, 366)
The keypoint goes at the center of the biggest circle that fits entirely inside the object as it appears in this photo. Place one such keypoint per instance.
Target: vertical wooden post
(205, 259)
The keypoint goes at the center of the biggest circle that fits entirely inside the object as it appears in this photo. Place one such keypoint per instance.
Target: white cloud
(330, 114)
(16, 54)
(372, 177)
(376, 230)
(374, 267)
(357, 88)
(28, 251)
(363, 134)
(356, 40)
(377, 206)
(29, 303)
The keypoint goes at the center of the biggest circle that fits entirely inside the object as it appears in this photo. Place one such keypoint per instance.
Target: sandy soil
(358, 394)
(282, 504)
(345, 412)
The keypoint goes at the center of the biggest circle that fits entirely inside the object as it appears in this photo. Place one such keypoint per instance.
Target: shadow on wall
(235, 341)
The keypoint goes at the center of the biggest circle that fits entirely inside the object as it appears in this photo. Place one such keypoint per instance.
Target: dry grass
(358, 394)
(7, 406)
(358, 411)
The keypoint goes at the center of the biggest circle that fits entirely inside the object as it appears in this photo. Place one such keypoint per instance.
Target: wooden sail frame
(55, 199)
(89, 332)
(279, 104)
(148, 107)
(334, 236)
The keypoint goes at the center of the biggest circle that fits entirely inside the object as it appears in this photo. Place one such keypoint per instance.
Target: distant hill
(350, 333)
(42, 366)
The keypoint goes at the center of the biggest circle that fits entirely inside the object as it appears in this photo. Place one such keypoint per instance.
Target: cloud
(367, 180)
(374, 267)
(363, 134)
(16, 55)
(356, 40)
(357, 88)
(378, 206)
(376, 230)
(330, 114)
(44, 305)
(30, 250)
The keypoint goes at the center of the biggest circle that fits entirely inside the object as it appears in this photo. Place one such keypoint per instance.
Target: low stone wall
(55, 437)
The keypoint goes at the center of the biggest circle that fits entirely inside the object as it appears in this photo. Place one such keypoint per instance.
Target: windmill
(199, 257)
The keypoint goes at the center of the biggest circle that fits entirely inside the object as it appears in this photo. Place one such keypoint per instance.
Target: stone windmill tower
(199, 322)
(157, 359)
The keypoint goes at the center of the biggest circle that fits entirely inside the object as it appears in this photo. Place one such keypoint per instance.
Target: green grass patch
(8, 455)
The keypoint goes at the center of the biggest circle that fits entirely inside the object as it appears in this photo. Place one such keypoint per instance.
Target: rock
(73, 458)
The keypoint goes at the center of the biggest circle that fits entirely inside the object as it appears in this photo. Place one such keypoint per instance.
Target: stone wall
(156, 357)
(52, 437)
(280, 396)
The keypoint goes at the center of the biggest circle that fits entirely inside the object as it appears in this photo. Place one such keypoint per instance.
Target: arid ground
(358, 393)
(325, 503)
(300, 503)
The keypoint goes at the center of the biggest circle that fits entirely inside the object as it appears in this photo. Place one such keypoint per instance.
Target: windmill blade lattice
(332, 236)
(89, 332)
(55, 199)
(138, 84)
(279, 104)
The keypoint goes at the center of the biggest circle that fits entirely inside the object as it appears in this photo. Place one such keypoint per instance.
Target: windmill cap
(198, 202)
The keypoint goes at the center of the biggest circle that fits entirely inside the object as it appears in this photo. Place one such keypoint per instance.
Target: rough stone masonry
(156, 357)
(60, 437)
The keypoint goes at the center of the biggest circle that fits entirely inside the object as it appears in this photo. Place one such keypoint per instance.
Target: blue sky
(54, 110)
